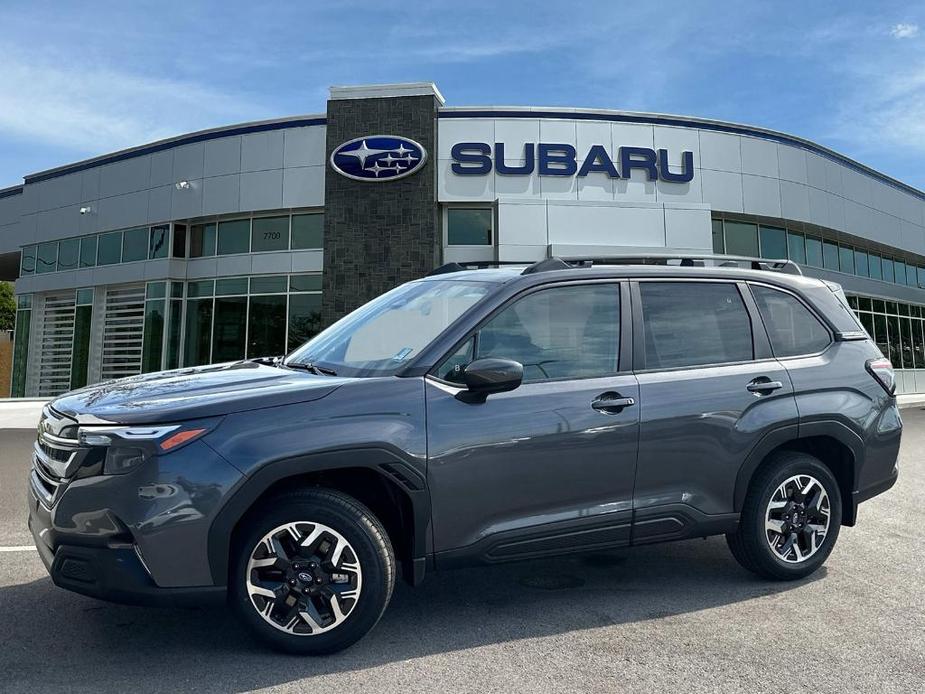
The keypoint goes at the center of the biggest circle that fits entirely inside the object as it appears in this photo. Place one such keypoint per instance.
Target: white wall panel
(722, 190)
(522, 223)
(222, 156)
(123, 211)
(688, 228)
(453, 130)
(761, 195)
(162, 168)
(451, 187)
(759, 157)
(188, 162)
(188, 202)
(262, 151)
(262, 190)
(303, 186)
(60, 191)
(304, 146)
(606, 225)
(794, 201)
(221, 194)
(127, 176)
(720, 152)
(792, 163)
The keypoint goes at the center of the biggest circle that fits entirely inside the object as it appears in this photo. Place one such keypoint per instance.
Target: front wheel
(790, 519)
(313, 572)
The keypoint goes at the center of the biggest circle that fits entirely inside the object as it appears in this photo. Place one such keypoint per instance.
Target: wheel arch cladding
(379, 479)
(836, 446)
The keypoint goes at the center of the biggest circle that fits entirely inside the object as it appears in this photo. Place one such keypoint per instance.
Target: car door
(709, 389)
(549, 466)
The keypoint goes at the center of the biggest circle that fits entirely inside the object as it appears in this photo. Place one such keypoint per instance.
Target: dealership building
(243, 241)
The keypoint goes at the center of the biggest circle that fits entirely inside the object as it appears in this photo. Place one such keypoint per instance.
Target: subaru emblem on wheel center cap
(378, 158)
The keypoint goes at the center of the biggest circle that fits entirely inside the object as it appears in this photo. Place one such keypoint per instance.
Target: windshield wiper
(311, 368)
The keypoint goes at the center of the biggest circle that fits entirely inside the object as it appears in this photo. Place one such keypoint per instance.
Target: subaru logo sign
(378, 158)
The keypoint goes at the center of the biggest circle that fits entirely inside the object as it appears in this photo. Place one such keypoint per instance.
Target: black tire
(750, 545)
(368, 540)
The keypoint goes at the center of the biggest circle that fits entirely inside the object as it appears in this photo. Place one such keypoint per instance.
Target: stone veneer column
(378, 235)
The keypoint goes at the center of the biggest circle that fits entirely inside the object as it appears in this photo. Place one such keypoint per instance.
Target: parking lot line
(18, 548)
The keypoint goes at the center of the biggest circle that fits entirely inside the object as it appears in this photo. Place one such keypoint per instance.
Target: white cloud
(92, 110)
(904, 31)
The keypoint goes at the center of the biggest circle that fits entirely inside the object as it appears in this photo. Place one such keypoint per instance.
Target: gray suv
(473, 417)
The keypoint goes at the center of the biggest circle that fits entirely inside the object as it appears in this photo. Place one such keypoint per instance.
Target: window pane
(880, 336)
(896, 354)
(718, 245)
(176, 290)
(860, 263)
(304, 318)
(198, 332)
(813, 251)
(202, 241)
(233, 285)
(918, 347)
(68, 254)
(153, 345)
(270, 284)
(792, 328)
(690, 323)
(570, 332)
(266, 326)
(160, 242)
(468, 227)
(200, 288)
(796, 248)
(88, 251)
(899, 272)
(305, 283)
(109, 251)
(867, 320)
(234, 237)
(20, 353)
(270, 234)
(307, 230)
(156, 290)
(846, 259)
(903, 309)
(905, 331)
(174, 326)
(27, 262)
(887, 266)
(84, 296)
(134, 245)
(741, 239)
(874, 266)
(911, 278)
(228, 332)
(773, 242)
(451, 368)
(47, 257)
(179, 240)
(830, 255)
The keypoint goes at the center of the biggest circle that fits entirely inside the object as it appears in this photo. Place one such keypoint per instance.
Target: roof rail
(472, 265)
(684, 260)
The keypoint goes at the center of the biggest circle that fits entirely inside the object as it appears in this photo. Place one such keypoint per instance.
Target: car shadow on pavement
(51, 638)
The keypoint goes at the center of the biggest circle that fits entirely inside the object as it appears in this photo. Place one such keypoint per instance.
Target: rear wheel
(790, 519)
(313, 572)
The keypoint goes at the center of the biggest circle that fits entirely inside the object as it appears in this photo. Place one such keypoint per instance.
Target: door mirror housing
(484, 377)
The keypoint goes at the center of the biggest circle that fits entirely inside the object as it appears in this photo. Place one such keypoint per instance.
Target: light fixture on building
(182, 185)
(86, 210)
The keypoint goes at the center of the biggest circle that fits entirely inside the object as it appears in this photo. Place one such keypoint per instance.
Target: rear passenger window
(564, 332)
(792, 328)
(694, 323)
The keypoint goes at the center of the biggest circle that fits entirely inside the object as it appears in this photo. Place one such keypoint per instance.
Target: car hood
(206, 391)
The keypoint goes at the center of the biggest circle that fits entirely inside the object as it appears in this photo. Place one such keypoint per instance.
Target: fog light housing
(122, 459)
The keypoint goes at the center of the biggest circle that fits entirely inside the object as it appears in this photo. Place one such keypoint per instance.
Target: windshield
(381, 337)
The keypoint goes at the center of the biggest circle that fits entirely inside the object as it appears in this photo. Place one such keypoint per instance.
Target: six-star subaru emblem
(378, 158)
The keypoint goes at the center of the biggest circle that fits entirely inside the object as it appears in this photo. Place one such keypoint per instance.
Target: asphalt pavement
(681, 617)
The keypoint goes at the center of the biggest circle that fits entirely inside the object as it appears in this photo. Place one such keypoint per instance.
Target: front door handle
(611, 403)
(763, 385)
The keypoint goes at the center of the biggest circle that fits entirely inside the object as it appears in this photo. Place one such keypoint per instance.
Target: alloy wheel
(797, 518)
(304, 578)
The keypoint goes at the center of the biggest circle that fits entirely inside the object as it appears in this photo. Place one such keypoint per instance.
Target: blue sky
(81, 79)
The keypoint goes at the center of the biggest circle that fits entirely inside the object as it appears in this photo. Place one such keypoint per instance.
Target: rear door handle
(611, 403)
(763, 385)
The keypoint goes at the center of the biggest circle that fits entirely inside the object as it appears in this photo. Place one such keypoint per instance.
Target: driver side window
(559, 333)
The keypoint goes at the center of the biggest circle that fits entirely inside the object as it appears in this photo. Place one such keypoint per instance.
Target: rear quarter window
(792, 328)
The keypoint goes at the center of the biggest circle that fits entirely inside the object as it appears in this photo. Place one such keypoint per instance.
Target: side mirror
(484, 377)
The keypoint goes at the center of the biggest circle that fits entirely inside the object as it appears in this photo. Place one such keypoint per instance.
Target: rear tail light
(882, 370)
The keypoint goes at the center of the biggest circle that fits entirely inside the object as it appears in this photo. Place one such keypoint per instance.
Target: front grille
(56, 455)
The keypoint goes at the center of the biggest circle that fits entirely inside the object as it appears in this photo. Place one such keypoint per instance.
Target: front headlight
(128, 447)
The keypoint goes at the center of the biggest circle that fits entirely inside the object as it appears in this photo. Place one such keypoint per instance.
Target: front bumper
(111, 571)
(114, 573)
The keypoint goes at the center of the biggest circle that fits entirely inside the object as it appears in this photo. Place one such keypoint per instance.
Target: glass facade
(21, 345)
(762, 241)
(469, 226)
(896, 328)
(239, 317)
